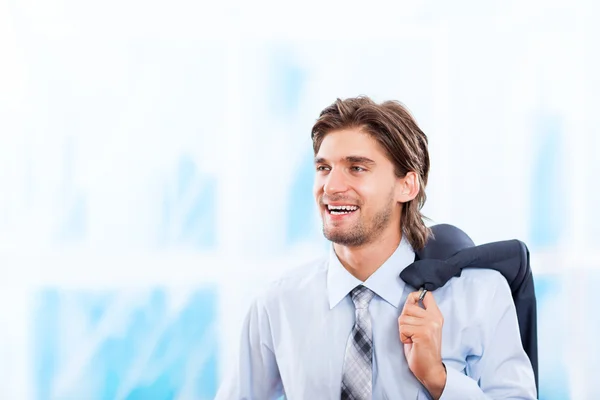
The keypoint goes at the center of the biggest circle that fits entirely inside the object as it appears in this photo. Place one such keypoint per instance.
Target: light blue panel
(301, 211)
(72, 225)
(554, 384)
(592, 326)
(98, 345)
(286, 81)
(189, 208)
(547, 200)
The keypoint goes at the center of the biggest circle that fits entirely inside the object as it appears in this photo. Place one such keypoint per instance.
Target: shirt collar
(385, 281)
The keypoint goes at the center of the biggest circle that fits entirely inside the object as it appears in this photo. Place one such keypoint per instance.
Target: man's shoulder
(481, 278)
(476, 298)
(305, 278)
(484, 285)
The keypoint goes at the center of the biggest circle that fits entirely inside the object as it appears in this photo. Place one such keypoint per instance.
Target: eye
(357, 169)
(322, 168)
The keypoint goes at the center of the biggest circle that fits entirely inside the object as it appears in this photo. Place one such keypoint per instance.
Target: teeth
(342, 208)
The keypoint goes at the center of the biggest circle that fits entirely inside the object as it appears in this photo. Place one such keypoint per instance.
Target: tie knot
(361, 296)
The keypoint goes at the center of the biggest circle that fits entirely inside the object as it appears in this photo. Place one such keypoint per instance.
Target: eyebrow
(349, 160)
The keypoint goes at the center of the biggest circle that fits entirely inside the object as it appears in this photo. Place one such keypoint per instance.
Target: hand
(421, 332)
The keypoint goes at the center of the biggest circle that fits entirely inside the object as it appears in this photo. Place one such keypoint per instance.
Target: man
(347, 326)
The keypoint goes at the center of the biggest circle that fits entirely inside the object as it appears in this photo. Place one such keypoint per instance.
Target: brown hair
(394, 128)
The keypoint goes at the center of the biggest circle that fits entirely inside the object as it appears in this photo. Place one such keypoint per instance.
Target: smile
(340, 210)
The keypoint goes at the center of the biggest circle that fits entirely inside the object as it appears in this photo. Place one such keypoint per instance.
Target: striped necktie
(357, 375)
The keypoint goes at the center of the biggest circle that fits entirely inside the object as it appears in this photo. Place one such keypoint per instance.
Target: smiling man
(347, 326)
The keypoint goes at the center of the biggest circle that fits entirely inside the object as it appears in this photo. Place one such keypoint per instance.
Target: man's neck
(363, 261)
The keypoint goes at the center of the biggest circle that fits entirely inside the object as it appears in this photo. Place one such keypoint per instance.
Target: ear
(408, 187)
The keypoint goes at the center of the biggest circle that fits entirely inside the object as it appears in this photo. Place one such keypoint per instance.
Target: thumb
(429, 301)
(407, 349)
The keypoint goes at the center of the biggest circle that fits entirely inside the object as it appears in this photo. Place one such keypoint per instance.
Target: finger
(429, 301)
(405, 339)
(414, 311)
(406, 334)
(406, 319)
(407, 349)
(412, 299)
(415, 334)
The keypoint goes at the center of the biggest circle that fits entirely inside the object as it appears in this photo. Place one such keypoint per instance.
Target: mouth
(341, 209)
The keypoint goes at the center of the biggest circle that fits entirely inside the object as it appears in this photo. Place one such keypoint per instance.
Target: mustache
(339, 199)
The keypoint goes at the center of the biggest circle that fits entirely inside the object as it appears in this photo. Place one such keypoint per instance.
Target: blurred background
(156, 170)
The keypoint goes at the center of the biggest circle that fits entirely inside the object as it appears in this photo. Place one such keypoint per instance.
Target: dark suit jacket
(450, 250)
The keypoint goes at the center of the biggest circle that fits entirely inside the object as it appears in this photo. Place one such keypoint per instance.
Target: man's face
(356, 189)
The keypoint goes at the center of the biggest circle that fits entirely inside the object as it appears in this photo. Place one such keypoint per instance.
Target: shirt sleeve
(505, 371)
(256, 374)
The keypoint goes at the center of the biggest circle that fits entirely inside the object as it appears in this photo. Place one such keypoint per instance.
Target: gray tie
(357, 376)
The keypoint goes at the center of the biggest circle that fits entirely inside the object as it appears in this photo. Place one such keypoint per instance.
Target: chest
(310, 350)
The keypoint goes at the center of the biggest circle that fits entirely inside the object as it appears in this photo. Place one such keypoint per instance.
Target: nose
(335, 183)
